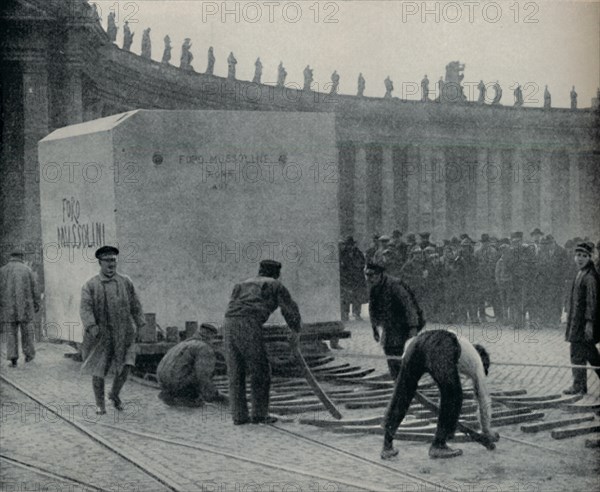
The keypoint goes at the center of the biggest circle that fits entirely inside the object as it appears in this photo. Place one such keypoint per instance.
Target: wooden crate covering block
(147, 333)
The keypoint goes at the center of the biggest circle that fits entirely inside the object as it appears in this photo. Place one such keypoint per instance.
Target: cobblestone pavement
(223, 457)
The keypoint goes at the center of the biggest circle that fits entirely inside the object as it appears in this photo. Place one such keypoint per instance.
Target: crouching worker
(185, 372)
(443, 355)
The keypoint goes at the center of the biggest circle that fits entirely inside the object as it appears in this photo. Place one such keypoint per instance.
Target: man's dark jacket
(393, 306)
(583, 305)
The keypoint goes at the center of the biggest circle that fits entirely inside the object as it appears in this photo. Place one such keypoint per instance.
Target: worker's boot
(269, 419)
(443, 451)
(575, 391)
(13, 362)
(388, 453)
(98, 385)
(118, 384)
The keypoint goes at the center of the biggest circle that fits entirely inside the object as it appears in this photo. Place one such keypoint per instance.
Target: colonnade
(451, 189)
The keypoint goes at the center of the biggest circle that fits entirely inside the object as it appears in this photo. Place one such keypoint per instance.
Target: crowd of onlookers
(456, 281)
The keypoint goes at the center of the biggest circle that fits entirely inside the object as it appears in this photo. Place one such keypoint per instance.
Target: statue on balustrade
(547, 98)
(425, 89)
(127, 37)
(335, 82)
(258, 68)
(308, 78)
(166, 58)
(95, 14)
(112, 28)
(498, 95)
(185, 61)
(361, 85)
(210, 68)
(482, 90)
(440, 88)
(231, 63)
(281, 75)
(573, 98)
(518, 96)
(453, 91)
(389, 87)
(146, 44)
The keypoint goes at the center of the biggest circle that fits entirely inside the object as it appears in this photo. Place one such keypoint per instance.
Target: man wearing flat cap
(19, 301)
(394, 308)
(583, 318)
(110, 311)
(185, 373)
(252, 302)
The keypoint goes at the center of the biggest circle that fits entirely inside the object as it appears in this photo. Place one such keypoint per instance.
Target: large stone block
(194, 200)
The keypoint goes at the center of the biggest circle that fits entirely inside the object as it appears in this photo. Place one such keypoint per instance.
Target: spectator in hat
(551, 268)
(394, 308)
(487, 293)
(449, 274)
(400, 248)
(517, 268)
(536, 237)
(384, 244)
(414, 274)
(371, 250)
(110, 311)
(19, 301)
(252, 302)
(583, 319)
(185, 373)
(411, 242)
(503, 283)
(466, 266)
(425, 243)
(352, 281)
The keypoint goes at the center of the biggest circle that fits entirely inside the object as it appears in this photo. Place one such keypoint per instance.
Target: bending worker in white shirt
(443, 355)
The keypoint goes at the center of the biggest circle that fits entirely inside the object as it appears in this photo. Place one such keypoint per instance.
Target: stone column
(517, 180)
(482, 222)
(574, 196)
(546, 193)
(413, 188)
(493, 176)
(439, 229)
(73, 90)
(426, 178)
(387, 187)
(360, 198)
(35, 127)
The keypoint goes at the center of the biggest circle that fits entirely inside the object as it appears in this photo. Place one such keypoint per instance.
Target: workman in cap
(185, 373)
(110, 311)
(583, 318)
(392, 306)
(19, 301)
(444, 356)
(252, 302)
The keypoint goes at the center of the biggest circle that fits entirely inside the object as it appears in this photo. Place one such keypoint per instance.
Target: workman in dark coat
(110, 311)
(19, 301)
(392, 306)
(352, 281)
(251, 304)
(444, 356)
(583, 318)
(185, 373)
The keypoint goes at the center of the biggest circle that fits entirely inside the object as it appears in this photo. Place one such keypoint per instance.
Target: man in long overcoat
(352, 280)
(110, 311)
(19, 301)
(251, 304)
(392, 306)
(583, 319)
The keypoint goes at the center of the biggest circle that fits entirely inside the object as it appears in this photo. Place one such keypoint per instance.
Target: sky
(532, 43)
